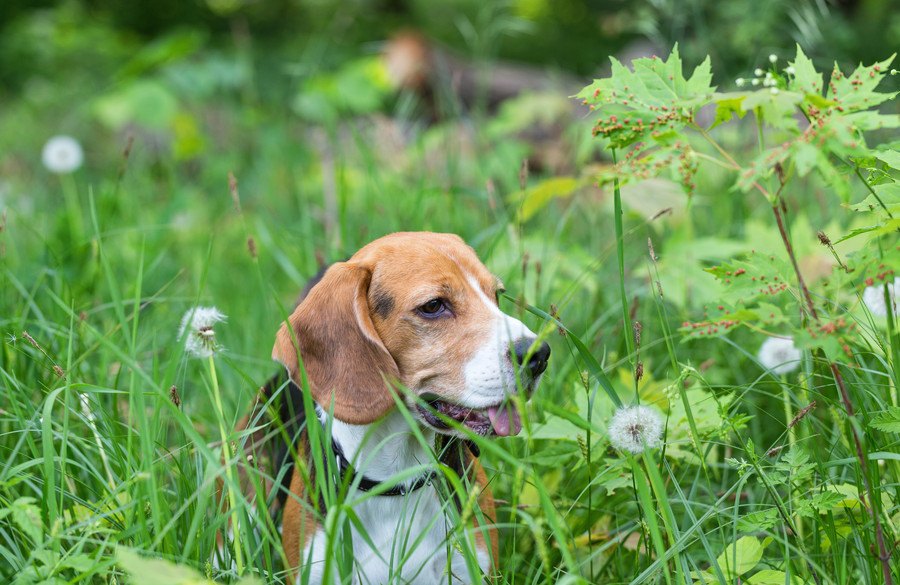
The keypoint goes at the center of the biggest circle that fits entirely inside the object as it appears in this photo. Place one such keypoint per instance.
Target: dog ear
(343, 355)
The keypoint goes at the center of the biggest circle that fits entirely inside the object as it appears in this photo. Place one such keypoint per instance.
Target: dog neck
(382, 449)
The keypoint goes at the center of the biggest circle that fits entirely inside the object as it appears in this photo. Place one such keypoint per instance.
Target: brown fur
(358, 334)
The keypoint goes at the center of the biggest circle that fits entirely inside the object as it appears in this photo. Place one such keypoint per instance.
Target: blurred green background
(91, 67)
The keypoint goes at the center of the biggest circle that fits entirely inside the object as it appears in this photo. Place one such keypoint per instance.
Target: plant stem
(229, 473)
(620, 253)
(883, 554)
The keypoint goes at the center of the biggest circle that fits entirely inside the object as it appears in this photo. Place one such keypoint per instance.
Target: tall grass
(110, 436)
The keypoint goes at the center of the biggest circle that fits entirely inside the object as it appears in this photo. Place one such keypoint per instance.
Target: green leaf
(887, 421)
(887, 194)
(777, 107)
(857, 91)
(832, 336)
(729, 105)
(741, 556)
(27, 517)
(80, 563)
(772, 577)
(535, 198)
(889, 156)
(826, 500)
(759, 521)
(806, 78)
(649, 102)
(757, 275)
(145, 571)
(147, 103)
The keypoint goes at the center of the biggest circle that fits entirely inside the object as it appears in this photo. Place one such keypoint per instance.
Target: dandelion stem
(229, 473)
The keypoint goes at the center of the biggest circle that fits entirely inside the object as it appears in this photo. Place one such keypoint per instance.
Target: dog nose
(537, 363)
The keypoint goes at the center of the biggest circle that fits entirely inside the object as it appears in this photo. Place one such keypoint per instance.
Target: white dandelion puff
(779, 355)
(62, 155)
(197, 330)
(873, 297)
(635, 428)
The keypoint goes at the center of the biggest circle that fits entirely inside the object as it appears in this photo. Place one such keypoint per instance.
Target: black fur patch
(382, 303)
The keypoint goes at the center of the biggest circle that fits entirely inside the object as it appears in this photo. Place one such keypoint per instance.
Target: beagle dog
(411, 317)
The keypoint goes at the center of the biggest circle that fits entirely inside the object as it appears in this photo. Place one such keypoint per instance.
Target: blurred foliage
(53, 38)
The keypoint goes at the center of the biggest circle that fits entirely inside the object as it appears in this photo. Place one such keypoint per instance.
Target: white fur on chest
(408, 534)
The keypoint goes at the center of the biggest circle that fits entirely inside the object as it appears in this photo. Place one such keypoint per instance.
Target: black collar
(347, 473)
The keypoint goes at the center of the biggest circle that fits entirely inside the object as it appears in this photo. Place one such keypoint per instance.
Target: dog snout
(537, 362)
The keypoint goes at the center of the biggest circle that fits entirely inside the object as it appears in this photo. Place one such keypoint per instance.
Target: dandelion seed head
(197, 330)
(635, 428)
(779, 355)
(62, 155)
(873, 297)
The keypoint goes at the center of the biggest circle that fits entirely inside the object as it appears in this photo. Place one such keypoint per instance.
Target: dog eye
(433, 308)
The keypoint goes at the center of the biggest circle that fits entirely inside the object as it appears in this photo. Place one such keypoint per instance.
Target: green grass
(99, 267)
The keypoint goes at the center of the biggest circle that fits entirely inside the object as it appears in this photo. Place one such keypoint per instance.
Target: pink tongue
(505, 420)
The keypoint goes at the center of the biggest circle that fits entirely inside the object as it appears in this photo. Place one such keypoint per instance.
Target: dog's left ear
(342, 353)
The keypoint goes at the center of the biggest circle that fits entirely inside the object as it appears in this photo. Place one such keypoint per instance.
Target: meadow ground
(110, 433)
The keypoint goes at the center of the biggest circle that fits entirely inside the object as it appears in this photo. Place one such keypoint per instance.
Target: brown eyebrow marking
(382, 303)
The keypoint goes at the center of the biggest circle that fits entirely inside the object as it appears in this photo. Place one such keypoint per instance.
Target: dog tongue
(505, 420)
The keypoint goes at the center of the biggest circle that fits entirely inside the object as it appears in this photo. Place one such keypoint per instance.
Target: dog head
(421, 310)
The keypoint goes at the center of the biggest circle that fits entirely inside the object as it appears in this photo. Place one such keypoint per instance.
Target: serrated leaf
(832, 336)
(756, 275)
(806, 78)
(887, 421)
(847, 495)
(857, 91)
(760, 520)
(649, 101)
(824, 501)
(741, 556)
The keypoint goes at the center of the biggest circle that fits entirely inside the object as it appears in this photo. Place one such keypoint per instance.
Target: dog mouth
(502, 420)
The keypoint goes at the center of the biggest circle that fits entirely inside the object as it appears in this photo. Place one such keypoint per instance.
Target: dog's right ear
(342, 354)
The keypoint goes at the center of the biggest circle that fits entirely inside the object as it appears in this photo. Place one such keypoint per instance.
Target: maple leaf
(651, 102)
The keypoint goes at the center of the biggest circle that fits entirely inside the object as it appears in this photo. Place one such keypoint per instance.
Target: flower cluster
(635, 428)
(765, 78)
(779, 355)
(198, 333)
